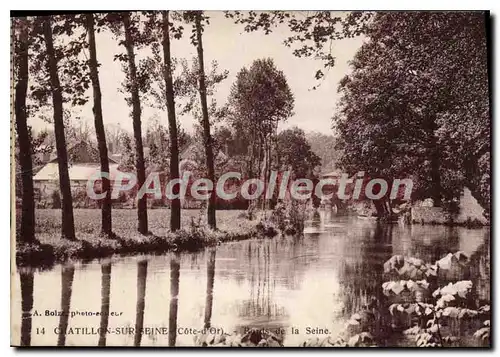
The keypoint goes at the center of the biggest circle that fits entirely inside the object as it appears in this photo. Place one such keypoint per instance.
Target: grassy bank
(232, 226)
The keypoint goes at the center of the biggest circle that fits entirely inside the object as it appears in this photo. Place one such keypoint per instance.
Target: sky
(232, 48)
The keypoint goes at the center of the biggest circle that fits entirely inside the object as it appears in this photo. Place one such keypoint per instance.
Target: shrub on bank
(287, 217)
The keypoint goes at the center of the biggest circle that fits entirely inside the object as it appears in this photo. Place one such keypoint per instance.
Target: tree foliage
(261, 97)
(259, 100)
(294, 152)
(416, 99)
(310, 33)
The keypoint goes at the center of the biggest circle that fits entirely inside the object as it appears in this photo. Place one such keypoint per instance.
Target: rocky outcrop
(470, 212)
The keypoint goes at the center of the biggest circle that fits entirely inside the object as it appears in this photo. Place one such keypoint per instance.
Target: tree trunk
(250, 157)
(175, 207)
(435, 176)
(267, 169)
(68, 223)
(27, 231)
(260, 156)
(267, 174)
(206, 124)
(142, 213)
(106, 223)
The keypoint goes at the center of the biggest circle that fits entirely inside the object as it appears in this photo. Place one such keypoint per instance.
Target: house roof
(77, 172)
(83, 152)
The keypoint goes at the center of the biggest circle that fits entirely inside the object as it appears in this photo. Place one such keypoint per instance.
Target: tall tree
(197, 17)
(175, 208)
(260, 98)
(142, 213)
(27, 227)
(67, 221)
(407, 107)
(106, 220)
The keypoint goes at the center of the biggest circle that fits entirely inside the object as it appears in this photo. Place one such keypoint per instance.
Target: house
(83, 162)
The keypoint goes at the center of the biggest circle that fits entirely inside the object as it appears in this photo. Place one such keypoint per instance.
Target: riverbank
(467, 212)
(232, 226)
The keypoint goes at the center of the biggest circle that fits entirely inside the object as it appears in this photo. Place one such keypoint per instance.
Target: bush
(278, 216)
(295, 217)
(266, 229)
(56, 199)
(287, 217)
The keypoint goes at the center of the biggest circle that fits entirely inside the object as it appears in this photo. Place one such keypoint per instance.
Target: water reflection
(105, 292)
(174, 298)
(480, 272)
(362, 277)
(67, 274)
(142, 272)
(210, 287)
(426, 247)
(26, 278)
(318, 280)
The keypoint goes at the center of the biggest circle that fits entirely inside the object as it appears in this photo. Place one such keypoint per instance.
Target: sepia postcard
(251, 179)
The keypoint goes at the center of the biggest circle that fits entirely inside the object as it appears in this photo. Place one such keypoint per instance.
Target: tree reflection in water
(210, 287)
(142, 272)
(174, 294)
(67, 275)
(27, 305)
(105, 292)
(362, 277)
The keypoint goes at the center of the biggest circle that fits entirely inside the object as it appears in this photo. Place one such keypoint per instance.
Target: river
(313, 282)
